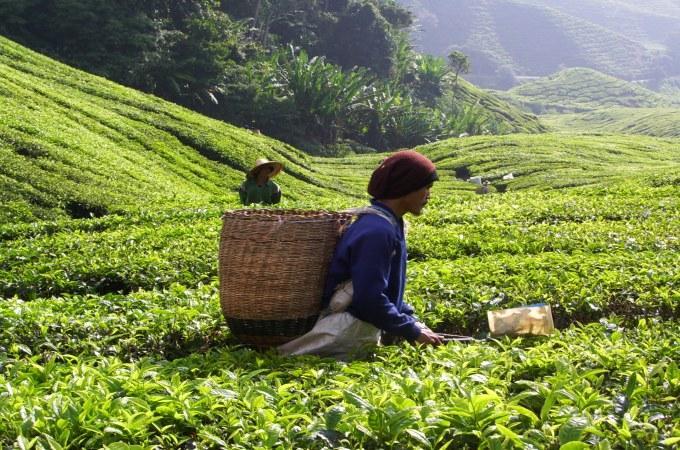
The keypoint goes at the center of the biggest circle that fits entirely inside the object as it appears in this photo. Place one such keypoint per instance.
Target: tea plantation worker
(258, 186)
(364, 289)
(483, 189)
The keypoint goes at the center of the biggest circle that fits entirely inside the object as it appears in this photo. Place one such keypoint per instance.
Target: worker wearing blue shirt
(363, 297)
(372, 253)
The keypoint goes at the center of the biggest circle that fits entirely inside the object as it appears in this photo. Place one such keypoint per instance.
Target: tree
(460, 63)
(353, 73)
(360, 37)
(430, 71)
(276, 23)
(190, 63)
(107, 38)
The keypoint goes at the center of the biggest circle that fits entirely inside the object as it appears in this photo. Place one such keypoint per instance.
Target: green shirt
(269, 193)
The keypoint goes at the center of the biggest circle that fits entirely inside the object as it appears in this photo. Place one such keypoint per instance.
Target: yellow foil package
(525, 320)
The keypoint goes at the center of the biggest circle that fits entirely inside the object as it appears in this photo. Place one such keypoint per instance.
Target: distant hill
(584, 100)
(507, 39)
(671, 88)
(581, 89)
(662, 122)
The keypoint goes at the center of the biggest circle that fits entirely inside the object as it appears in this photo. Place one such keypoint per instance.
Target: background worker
(258, 186)
(368, 268)
(483, 189)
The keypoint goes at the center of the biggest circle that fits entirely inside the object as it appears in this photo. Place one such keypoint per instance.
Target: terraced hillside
(671, 88)
(74, 144)
(505, 38)
(507, 116)
(581, 89)
(650, 22)
(186, 158)
(550, 161)
(662, 122)
(111, 334)
(584, 100)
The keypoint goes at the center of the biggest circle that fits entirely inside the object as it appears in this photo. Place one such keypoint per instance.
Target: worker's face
(415, 201)
(264, 173)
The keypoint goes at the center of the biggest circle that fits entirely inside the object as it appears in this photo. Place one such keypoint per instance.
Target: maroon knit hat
(400, 174)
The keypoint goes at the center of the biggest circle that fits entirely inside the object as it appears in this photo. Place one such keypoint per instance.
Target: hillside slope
(508, 116)
(647, 22)
(582, 89)
(587, 101)
(555, 160)
(509, 38)
(662, 122)
(77, 145)
(72, 144)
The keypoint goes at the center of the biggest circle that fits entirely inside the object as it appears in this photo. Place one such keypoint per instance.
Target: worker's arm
(371, 255)
(243, 193)
(276, 195)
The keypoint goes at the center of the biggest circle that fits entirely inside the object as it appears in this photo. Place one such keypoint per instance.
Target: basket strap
(372, 210)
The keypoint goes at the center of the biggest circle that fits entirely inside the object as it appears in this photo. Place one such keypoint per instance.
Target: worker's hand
(429, 337)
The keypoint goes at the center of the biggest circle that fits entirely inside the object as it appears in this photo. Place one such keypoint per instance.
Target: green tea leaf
(572, 429)
(574, 445)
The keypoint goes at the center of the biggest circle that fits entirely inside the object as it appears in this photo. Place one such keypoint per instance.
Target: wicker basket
(272, 268)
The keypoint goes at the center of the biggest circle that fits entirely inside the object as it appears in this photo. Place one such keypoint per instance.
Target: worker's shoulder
(373, 225)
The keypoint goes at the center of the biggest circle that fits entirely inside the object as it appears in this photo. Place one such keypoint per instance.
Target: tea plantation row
(587, 387)
(152, 364)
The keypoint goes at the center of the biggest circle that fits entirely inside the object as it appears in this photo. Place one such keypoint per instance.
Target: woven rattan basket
(272, 268)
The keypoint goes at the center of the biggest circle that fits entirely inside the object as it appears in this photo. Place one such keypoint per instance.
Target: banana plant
(323, 96)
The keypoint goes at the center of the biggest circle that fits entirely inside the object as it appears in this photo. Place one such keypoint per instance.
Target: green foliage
(361, 37)
(349, 34)
(411, 126)
(462, 97)
(189, 63)
(174, 50)
(428, 78)
(321, 96)
(62, 132)
(161, 257)
(315, 102)
(391, 119)
(671, 87)
(98, 36)
(459, 62)
(465, 119)
(491, 395)
(588, 101)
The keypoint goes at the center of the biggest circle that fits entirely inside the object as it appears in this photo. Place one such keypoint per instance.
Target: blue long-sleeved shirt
(372, 253)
